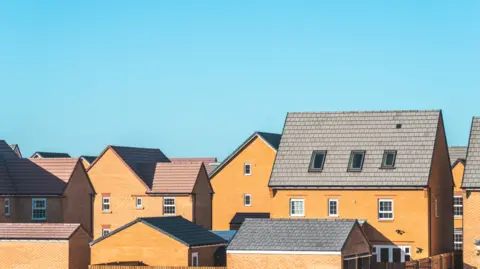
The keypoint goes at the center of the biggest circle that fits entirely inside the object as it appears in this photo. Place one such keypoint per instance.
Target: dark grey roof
(292, 235)
(89, 159)
(471, 176)
(457, 154)
(239, 218)
(44, 154)
(178, 228)
(341, 132)
(271, 139)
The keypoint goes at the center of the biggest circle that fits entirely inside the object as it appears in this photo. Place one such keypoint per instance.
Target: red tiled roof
(206, 162)
(175, 177)
(37, 230)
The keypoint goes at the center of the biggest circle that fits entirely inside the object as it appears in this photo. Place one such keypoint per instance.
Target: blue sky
(196, 78)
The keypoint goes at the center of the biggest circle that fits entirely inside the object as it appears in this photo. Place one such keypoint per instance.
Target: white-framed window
(7, 206)
(105, 231)
(106, 203)
(297, 207)
(39, 209)
(194, 258)
(247, 200)
(169, 206)
(138, 202)
(388, 253)
(385, 209)
(333, 207)
(458, 206)
(247, 169)
(458, 239)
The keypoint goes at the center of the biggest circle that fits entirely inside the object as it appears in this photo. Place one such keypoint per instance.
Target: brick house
(389, 169)
(458, 156)
(141, 182)
(240, 181)
(44, 190)
(44, 245)
(158, 241)
(299, 243)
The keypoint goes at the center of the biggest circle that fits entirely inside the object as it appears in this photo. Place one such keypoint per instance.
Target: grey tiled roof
(292, 235)
(341, 132)
(471, 176)
(44, 154)
(457, 153)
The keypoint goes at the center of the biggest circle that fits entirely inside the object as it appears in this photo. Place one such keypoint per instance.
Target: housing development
(351, 190)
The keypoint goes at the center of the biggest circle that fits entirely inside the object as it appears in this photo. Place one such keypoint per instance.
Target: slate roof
(37, 231)
(89, 159)
(206, 161)
(341, 132)
(44, 154)
(457, 154)
(239, 218)
(292, 235)
(16, 149)
(273, 140)
(178, 228)
(471, 176)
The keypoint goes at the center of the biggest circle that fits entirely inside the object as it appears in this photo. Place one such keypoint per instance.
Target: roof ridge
(365, 111)
(129, 147)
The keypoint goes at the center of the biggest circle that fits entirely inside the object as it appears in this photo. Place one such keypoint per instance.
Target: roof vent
(399, 126)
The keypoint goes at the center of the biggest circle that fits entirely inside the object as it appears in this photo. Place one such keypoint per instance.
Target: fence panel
(150, 267)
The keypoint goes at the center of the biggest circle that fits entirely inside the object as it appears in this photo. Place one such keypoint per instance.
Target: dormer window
(356, 160)
(389, 157)
(318, 160)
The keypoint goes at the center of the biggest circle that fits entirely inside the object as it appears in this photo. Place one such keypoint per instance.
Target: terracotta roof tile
(175, 177)
(37, 230)
(208, 162)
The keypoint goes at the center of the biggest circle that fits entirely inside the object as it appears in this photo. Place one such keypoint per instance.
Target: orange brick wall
(230, 184)
(34, 255)
(140, 243)
(79, 250)
(410, 213)
(471, 227)
(457, 172)
(271, 261)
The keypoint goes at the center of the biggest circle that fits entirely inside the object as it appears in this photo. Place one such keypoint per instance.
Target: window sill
(333, 216)
(39, 220)
(140, 208)
(106, 212)
(458, 217)
(297, 216)
(386, 220)
(354, 170)
(388, 168)
(315, 170)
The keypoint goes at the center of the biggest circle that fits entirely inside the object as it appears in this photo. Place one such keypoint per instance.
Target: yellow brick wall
(140, 243)
(272, 261)
(79, 250)
(457, 172)
(34, 255)
(471, 227)
(230, 184)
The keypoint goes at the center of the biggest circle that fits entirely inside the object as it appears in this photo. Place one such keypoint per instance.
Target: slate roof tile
(471, 176)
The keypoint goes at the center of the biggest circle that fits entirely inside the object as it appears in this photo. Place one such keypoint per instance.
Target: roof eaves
(164, 232)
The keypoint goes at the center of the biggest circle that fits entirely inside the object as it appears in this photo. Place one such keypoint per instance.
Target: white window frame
(458, 232)
(459, 206)
(393, 209)
(7, 207)
(174, 206)
(245, 169)
(105, 230)
(104, 203)
(33, 208)
(195, 255)
(137, 199)
(297, 214)
(249, 199)
(336, 206)
(390, 248)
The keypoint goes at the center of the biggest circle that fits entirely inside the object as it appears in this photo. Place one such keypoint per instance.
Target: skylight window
(356, 161)
(389, 157)
(318, 160)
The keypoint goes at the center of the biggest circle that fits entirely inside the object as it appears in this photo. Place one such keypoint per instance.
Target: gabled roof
(239, 218)
(272, 140)
(7, 152)
(176, 227)
(16, 149)
(37, 231)
(208, 162)
(457, 154)
(411, 133)
(44, 154)
(471, 175)
(89, 159)
(292, 235)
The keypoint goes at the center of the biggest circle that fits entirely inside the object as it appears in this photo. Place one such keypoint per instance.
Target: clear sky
(196, 78)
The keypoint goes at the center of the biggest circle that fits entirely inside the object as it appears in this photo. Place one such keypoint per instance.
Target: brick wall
(34, 255)
(202, 208)
(270, 261)
(79, 250)
(471, 228)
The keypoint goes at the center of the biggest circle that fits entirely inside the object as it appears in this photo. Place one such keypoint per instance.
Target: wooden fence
(149, 267)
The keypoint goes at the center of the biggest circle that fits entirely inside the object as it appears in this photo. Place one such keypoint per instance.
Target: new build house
(458, 156)
(388, 169)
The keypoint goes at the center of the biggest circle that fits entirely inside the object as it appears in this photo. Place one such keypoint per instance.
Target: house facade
(384, 168)
(138, 182)
(240, 182)
(458, 156)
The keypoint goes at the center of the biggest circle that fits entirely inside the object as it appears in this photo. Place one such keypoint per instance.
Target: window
(297, 207)
(458, 206)
(247, 169)
(407, 254)
(389, 157)
(317, 161)
(105, 231)
(139, 202)
(195, 259)
(356, 161)
(437, 213)
(7, 206)
(247, 200)
(106, 204)
(169, 206)
(39, 209)
(458, 239)
(385, 209)
(389, 253)
(333, 207)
